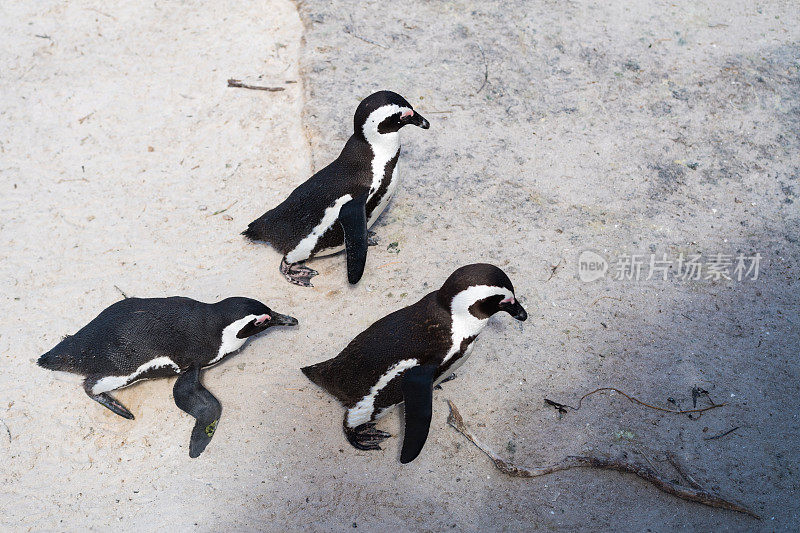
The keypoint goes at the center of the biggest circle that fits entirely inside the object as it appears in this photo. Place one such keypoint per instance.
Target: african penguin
(144, 338)
(401, 357)
(334, 208)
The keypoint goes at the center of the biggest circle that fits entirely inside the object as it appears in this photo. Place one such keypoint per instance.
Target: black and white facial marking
(470, 311)
(473, 294)
(236, 334)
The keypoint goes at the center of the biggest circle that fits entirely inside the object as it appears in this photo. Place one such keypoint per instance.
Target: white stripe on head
(370, 128)
(303, 250)
(110, 383)
(230, 342)
(465, 324)
(362, 412)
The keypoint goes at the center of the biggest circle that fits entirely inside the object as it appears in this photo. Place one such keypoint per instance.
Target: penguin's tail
(54, 361)
(254, 230)
(311, 372)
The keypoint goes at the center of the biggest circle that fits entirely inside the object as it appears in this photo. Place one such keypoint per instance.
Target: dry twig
(349, 29)
(238, 83)
(561, 408)
(698, 495)
(604, 297)
(222, 210)
(485, 69)
(8, 431)
(554, 269)
(640, 402)
(722, 434)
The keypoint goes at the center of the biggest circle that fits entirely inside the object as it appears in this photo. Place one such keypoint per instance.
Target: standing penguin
(144, 338)
(334, 208)
(401, 357)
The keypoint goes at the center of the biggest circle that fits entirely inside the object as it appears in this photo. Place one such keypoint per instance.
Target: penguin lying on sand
(401, 357)
(144, 338)
(335, 207)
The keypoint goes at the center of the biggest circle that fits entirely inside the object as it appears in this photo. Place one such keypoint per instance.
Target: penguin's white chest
(464, 326)
(457, 364)
(384, 149)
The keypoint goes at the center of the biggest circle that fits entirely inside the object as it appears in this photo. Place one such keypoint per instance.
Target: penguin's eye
(260, 320)
(406, 114)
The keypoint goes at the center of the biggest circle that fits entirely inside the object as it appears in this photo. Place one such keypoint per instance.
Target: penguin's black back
(420, 331)
(134, 331)
(287, 224)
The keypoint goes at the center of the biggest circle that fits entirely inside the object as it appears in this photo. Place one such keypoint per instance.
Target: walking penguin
(401, 357)
(144, 338)
(334, 208)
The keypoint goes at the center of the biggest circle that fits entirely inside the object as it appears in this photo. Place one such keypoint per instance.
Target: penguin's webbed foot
(365, 436)
(297, 273)
(372, 238)
(112, 404)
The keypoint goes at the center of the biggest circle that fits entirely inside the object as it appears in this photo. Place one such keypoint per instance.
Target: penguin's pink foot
(372, 238)
(297, 273)
(365, 436)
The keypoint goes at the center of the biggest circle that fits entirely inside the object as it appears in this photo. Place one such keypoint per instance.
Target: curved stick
(636, 400)
(692, 494)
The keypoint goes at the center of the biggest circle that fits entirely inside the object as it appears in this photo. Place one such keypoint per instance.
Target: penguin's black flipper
(418, 397)
(353, 218)
(106, 400)
(195, 399)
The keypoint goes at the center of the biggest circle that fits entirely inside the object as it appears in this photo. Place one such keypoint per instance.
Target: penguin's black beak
(419, 120)
(277, 319)
(260, 324)
(515, 310)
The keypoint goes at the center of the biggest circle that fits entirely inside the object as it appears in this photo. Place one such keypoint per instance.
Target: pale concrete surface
(645, 128)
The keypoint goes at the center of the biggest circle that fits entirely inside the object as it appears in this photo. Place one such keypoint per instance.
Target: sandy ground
(556, 127)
